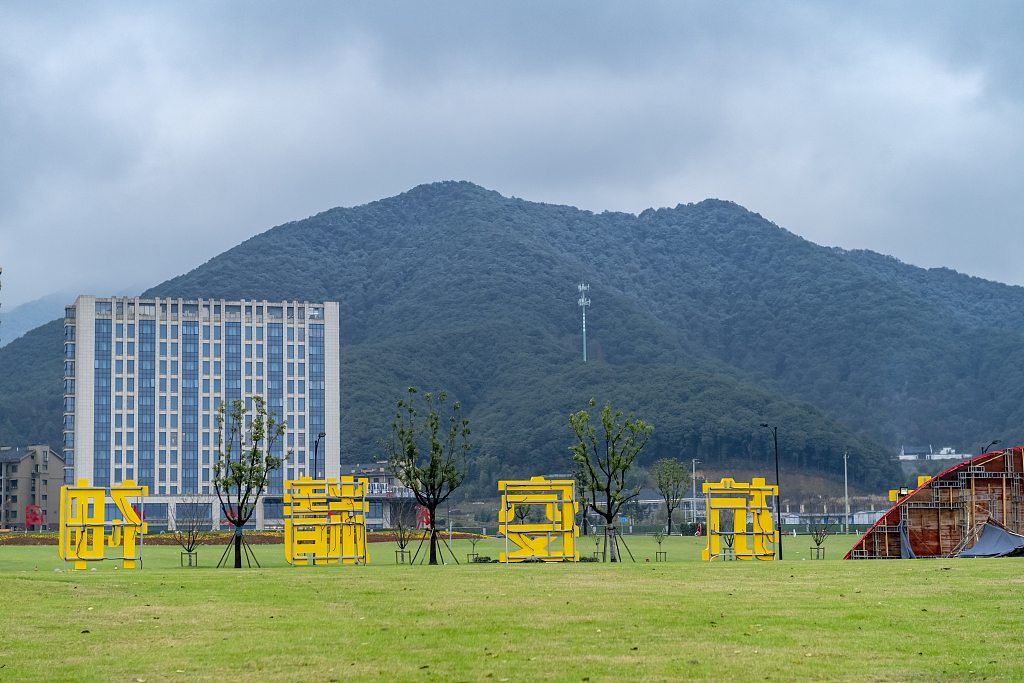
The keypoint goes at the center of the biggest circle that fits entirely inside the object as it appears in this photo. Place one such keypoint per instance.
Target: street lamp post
(316, 450)
(693, 501)
(846, 489)
(997, 441)
(778, 498)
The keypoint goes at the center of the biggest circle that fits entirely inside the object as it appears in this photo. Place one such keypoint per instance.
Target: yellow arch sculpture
(749, 504)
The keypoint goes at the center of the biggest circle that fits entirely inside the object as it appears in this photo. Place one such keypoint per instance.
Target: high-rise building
(143, 379)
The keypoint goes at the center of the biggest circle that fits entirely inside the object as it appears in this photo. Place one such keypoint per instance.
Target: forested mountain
(706, 320)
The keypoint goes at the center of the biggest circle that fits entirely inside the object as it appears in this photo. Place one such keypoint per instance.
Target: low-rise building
(30, 479)
(382, 489)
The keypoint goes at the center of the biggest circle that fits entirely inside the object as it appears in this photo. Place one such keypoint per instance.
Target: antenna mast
(584, 302)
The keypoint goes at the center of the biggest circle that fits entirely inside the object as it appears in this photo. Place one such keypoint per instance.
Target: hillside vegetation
(707, 319)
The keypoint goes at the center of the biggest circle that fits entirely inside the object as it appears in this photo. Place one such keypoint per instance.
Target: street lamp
(778, 498)
(990, 446)
(693, 500)
(316, 449)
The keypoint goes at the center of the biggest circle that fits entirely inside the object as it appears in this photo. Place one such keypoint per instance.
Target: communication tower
(584, 302)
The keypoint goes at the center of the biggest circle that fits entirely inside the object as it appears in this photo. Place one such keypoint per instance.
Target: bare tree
(192, 516)
(427, 452)
(820, 530)
(521, 512)
(671, 479)
(403, 521)
(241, 470)
(603, 463)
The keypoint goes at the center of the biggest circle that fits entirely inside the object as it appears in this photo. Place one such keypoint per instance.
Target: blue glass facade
(232, 365)
(147, 403)
(316, 392)
(101, 405)
(189, 406)
(275, 394)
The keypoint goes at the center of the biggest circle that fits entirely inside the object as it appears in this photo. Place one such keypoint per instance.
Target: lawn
(912, 620)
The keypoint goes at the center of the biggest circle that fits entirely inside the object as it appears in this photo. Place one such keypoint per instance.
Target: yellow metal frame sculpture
(83, 524)
(325, 521)
(534, 540)
(748, 503)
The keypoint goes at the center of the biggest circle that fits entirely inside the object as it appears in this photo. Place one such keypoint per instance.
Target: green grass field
(916, 620)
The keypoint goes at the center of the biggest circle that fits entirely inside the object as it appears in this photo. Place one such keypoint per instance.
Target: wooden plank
(1004, 502)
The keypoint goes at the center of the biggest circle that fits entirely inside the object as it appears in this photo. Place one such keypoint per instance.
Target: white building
(143, 378)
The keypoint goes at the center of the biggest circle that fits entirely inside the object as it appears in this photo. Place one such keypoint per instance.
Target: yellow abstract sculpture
(325, 521)
(83, 518)
(748, 504)
(534, 539)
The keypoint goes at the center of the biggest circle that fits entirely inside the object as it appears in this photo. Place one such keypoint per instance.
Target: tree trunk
(238, 547)
(613, 555)
(669, 531)
(433, 539)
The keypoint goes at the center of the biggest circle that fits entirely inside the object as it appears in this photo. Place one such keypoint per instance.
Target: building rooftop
(17, 454)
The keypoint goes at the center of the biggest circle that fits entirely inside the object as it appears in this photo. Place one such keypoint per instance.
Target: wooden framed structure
(944, 516)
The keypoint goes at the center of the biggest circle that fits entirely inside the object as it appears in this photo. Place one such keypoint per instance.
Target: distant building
(915, 452)
(382, 490)
(143, 379)
(867, 516)
(30, 479)
(926, 453)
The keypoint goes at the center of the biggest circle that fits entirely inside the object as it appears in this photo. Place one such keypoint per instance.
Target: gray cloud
(166, 133)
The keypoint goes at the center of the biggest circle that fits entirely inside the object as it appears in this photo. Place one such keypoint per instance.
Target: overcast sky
(137, 140)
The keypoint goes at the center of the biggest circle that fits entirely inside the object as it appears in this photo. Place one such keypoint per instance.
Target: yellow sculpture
(325, 521)
(896, 495)
(534, 539)
(748, 503)
(82, 521)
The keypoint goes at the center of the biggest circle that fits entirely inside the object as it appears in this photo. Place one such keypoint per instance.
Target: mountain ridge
(429, 275)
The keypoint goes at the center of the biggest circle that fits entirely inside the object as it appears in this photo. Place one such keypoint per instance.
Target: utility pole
(584, 302)
(846, 486)
(693, 502)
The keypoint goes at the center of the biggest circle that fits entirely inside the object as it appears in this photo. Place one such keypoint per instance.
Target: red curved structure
(945, 515)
